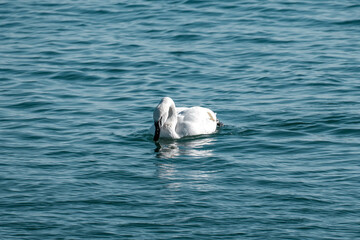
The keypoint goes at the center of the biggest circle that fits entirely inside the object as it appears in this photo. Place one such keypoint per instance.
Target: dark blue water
(79, 81)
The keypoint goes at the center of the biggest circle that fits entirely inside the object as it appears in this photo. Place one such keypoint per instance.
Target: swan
(174, 123)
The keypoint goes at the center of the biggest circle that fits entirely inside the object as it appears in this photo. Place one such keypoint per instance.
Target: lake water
(78, 84)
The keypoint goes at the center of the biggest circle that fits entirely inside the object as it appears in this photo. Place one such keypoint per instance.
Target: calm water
(79, 81)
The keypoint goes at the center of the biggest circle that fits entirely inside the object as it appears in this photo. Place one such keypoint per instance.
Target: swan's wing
(181, 109)
(195, 121)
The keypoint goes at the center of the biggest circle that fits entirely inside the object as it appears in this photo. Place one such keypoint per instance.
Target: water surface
(79, 82)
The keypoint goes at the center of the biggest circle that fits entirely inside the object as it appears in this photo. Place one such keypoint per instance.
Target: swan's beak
(157, 131)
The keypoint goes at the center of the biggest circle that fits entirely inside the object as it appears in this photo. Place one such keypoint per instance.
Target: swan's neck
(172, 117)
(170, 124)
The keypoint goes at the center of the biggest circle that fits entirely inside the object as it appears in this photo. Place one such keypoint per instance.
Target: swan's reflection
(193, 147)
(173, 176)
(168, 171)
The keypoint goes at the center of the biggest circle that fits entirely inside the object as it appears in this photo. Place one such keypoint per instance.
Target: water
(79, 82)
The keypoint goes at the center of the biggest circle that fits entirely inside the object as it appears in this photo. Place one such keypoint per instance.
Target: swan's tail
(220, 124)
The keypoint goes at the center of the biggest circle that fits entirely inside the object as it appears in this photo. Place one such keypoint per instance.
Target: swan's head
(161, 115)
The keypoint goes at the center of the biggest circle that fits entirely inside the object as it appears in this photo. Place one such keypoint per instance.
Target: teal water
(79, 81)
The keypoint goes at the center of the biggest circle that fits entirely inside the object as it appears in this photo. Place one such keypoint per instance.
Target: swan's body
(174, 123)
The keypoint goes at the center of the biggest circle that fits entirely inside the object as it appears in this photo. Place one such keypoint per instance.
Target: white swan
(174, 123)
